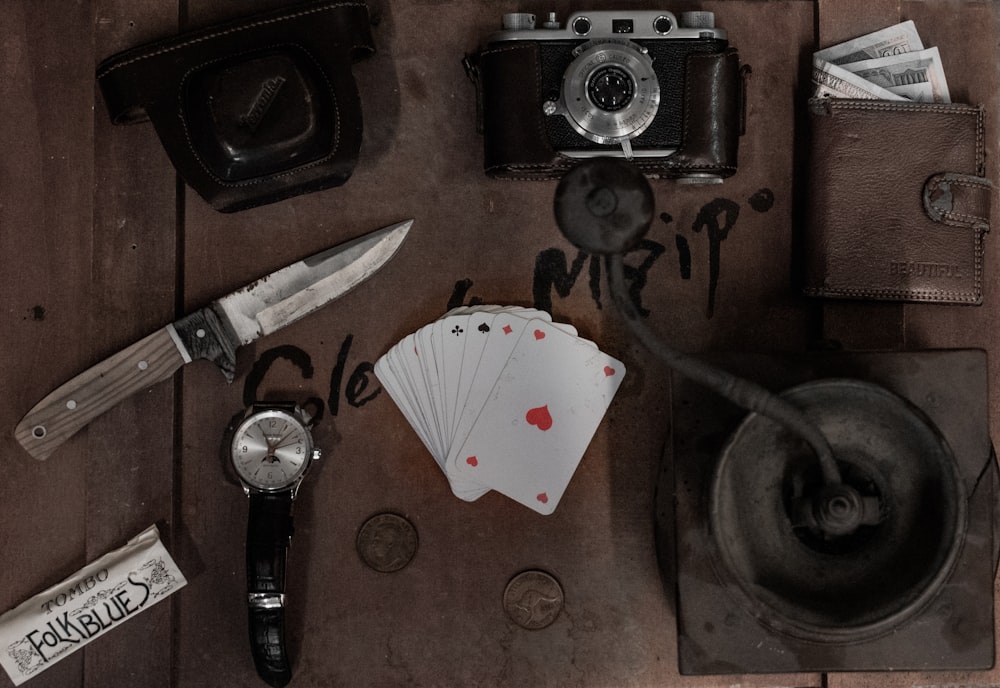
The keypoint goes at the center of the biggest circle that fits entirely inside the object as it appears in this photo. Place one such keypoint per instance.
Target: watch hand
(281, 443)
(272, 445)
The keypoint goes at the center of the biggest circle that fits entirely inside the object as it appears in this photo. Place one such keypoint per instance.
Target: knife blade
(213, 332)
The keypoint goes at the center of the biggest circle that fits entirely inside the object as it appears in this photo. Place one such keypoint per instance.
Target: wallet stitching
(926, 295)
(974, 294)
(268, 177)
(969, 295)
(935, 294)
(226, 32)
(956, 218)
(944, 109)
(980, 145)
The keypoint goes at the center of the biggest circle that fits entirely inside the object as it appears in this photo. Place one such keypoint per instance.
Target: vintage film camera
(664, 91)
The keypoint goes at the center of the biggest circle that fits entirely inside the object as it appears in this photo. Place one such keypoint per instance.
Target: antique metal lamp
(846, 522)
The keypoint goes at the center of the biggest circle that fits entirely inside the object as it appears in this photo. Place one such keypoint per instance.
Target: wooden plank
(439, 621)
(972, 71)
(967, 41)
(132, 454)
(100, 246)
(857, 325)
(46, 173)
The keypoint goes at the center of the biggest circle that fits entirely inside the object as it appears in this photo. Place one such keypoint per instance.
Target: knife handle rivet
(200, 333)
(143, 365)
(38, 432)
(70, 405)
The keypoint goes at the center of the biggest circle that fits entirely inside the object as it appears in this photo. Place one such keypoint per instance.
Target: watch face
(271, 450)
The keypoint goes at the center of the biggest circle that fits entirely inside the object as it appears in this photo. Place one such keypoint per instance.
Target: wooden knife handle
(62, 413)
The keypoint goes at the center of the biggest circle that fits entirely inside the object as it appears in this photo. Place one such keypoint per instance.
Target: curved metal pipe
(740, 391)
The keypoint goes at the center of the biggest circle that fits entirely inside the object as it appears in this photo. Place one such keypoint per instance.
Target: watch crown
(316, 454)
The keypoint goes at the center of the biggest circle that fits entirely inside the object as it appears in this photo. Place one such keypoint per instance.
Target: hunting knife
(213, 333)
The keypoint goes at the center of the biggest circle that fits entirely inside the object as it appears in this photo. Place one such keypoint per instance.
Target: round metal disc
(604, 205)
(387, 542)
(533, 599)
(842, 588)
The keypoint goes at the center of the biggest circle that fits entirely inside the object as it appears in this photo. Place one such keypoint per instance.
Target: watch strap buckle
(266, 600)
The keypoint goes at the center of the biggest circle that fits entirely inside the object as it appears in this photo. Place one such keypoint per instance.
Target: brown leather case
(254, 110)
(898, 203)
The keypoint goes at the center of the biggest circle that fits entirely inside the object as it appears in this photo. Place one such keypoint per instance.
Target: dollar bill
(892, 40)
(833, 81)
(917, 76)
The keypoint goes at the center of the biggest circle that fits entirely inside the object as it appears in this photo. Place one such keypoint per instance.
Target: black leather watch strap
(269, 528)
(267, 640)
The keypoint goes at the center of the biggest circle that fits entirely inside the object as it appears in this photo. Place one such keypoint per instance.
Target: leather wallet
(898, 206)
(253, 110)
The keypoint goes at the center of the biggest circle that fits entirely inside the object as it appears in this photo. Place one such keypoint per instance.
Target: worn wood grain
(74, 404)
(46, 173)
(136, 235)
(101, 245)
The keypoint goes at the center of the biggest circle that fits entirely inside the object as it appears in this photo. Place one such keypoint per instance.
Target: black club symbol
(457, 330)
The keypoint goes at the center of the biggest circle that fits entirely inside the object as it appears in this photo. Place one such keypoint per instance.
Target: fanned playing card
(468, 384)
(539, 417)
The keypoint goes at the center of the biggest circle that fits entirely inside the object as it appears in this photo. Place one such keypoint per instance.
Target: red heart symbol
(472, 461)
(543, 498)
(609, 371)
(539, 417)
(539, 334)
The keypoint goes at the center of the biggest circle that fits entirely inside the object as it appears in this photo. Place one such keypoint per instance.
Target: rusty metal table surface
(101, 244)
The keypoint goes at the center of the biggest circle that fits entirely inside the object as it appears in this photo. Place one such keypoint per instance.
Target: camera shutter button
(551, 22)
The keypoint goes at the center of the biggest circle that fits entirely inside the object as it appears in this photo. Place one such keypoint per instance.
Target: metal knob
(697, 20)
(605, 206)
(518, 21)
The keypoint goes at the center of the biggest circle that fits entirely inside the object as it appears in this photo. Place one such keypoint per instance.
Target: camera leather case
(706, 121)
(898, 206)
(254, 110)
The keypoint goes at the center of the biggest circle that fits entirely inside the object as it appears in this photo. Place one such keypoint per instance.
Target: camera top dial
(635, 25)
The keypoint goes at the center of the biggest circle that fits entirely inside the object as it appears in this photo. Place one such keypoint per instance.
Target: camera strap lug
(470, 63)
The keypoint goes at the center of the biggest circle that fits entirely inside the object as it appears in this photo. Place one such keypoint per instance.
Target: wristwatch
(271, 450)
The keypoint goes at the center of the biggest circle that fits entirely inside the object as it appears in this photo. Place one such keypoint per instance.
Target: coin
(387, 542)
(533, 599)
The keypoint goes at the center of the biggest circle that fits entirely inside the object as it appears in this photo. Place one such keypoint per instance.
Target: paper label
(97, 598)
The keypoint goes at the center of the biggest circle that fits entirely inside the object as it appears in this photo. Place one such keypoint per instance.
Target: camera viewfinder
(622, 26)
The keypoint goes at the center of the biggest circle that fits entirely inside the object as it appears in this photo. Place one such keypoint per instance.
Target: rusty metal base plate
(718, 633)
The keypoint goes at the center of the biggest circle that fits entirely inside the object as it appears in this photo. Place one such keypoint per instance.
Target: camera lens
(611, 88)
(610, 92)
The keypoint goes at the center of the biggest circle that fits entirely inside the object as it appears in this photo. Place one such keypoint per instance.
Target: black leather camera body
(663, 91)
